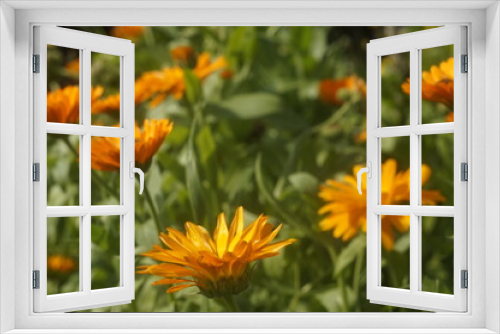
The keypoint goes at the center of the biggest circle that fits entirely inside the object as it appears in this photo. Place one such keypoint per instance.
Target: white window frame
(483, 21)
(414, 43)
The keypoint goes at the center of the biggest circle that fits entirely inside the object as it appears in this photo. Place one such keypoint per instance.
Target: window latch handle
(141, 176)
(368, 171)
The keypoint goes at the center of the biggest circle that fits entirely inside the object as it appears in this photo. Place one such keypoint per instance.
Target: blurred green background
(264, 139)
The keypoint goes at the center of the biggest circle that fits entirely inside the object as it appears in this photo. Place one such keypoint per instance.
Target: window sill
(251, 331)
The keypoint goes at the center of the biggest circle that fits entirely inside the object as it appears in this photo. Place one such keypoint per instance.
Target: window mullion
(414, 170)
(85, 241)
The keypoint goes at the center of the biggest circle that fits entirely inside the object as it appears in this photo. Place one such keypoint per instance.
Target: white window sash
(414, 297)
(85, 298)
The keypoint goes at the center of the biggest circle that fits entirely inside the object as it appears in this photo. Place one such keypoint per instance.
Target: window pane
(437, 254)
(105, 161)
(395, 101)
(437, 169)
(63, 170)
(63, 96)
(106, 89)
(395, 171)
(105, 256)
(437, 84)
(395, 244)
(63, 249)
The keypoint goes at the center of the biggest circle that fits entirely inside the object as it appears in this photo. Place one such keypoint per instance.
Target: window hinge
(465, 64)
(464, 279)
(36, 279)
(464, 172)
(36, 172)
(36, 63)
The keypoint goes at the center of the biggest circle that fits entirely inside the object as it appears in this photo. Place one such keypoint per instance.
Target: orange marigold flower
(329, 89)
(159, 84)
(182, 53)
(128, 32)
(73, 66)
(105, 151)
(63, 104)
(60, 264)
(437, 84)
(205, 66)
(219, 264)
(346, 208)
(149, 140)
(111, 103)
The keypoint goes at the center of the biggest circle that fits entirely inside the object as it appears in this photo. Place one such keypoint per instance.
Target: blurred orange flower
(329, 89)
(128, 32)
(73, 66)
(219, 264)
(157, 85)
(437, 84)
(105, 151)
(361, 137)
(63, 104)
(182, 53)
(110, 103)
(346, 208)
(205, 66)
(60, 264)
(149, 140)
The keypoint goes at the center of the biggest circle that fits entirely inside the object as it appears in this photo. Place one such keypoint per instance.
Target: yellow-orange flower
(60, 264)
(329, 89)
(346, 208)
(157, 85)
(218, 265)
(437, 84)
(111, 103)
(149, 140)
(205, 66)
(63, 104)
(105, 151)
(182, 53)
(128, 32)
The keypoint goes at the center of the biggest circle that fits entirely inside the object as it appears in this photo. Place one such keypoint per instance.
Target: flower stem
(230, 302)
(154, 212)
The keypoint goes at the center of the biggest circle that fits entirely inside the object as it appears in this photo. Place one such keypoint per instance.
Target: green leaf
(402, 244)
(206, 145)
(303, 181)
(250, 106)
(331, 299)
(349, 254)
(193, 87)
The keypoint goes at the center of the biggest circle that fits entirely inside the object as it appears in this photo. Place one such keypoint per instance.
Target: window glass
(63, 254)
(395, 105)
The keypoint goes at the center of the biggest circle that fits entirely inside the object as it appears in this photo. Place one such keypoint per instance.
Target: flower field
(250, 139)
